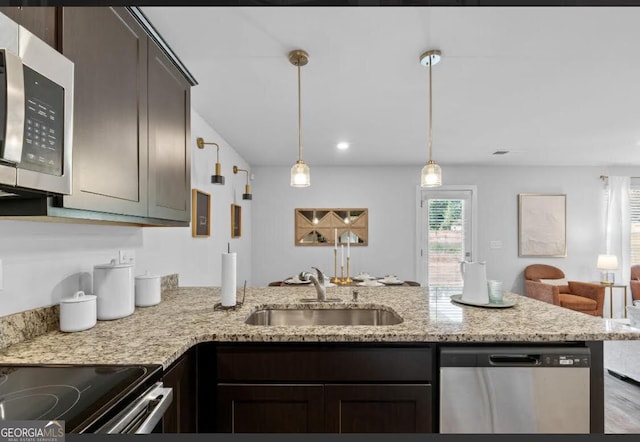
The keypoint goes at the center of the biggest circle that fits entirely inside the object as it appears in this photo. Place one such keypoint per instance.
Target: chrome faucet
(318, 282)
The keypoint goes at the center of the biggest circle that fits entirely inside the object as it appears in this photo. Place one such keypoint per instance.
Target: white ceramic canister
(147, 290)
(113, 285)
(77, 312)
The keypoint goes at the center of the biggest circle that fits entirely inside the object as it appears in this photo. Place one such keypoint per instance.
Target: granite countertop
(160, 334)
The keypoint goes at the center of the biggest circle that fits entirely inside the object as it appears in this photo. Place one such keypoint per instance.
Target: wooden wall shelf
(317, 227)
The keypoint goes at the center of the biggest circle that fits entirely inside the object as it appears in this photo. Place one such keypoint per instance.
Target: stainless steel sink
(332, 316)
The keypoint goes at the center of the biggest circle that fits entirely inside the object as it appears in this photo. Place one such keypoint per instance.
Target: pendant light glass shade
(431, 175)
(300, 175)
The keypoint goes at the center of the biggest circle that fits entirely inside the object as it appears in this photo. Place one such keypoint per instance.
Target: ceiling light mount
(300, 173)
(431, 57)
(431, 175)
(247, 195)
(217, 178)
(298, 57)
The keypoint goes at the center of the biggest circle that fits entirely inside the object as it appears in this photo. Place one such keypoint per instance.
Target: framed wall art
(542, 225)
(201, 213)
(236, 221)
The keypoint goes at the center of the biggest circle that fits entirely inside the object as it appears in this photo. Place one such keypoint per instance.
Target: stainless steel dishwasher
(514, 389)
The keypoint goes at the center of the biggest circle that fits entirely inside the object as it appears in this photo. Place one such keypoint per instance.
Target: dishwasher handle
(510, 360)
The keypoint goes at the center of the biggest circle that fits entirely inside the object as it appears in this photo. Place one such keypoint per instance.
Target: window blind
(634, 200)
(446, 230)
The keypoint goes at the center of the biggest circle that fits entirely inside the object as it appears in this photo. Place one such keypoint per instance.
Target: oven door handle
(151, 406)
(157, 412)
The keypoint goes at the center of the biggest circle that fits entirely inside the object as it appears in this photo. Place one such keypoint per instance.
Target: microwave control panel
(42, 149)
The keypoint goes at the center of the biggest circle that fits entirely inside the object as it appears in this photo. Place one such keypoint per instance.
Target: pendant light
(431, 173)
(300, 173)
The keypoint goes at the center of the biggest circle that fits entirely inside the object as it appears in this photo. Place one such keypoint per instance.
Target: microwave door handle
(161, 406)
(15, 108)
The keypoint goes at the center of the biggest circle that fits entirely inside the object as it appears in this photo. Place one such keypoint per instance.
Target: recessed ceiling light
(342, 145)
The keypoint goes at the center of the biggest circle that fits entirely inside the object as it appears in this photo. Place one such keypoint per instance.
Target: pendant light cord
(299, 116)
(430, 109)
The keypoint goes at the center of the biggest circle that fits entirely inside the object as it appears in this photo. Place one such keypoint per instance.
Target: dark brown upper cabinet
(131, 119)
(41, 21)
(169, 116)
(109, 50)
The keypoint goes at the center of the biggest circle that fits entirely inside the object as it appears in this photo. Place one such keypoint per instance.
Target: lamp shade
(607, 262)
(300, 175)
(431, 175)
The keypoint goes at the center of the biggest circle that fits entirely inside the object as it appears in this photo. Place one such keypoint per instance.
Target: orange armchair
(635, 282)
(580, 296)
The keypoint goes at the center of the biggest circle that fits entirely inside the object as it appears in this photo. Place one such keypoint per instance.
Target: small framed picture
(236, 221)
(201, 213)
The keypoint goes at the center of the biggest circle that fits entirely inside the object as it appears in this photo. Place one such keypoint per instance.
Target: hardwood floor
(622, 405)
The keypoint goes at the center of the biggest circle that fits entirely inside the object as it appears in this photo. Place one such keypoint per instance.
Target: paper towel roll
(228, 279)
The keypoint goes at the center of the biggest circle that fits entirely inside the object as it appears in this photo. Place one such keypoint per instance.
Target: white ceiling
(555, 86)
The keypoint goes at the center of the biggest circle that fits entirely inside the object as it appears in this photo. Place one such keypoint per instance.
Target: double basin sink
(283, 316)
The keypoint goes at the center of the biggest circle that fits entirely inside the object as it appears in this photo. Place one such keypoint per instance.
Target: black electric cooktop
(81, 395)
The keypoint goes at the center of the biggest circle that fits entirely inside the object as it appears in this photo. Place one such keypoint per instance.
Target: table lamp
(606, 263)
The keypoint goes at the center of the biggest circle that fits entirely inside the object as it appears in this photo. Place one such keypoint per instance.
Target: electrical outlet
(495, 244)
(126, 256)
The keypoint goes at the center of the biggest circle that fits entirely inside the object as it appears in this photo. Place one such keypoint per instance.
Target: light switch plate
(495, 244)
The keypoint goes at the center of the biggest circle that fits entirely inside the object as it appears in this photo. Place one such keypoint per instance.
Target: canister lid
(78, 296)
(147, 275)
(113, 265)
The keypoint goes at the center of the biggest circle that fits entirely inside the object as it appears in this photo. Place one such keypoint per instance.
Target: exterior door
(447, 235)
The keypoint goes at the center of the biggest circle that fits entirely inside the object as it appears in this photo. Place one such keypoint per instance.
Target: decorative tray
(503, 304)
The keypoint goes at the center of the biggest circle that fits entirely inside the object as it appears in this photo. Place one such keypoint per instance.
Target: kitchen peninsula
(407, 351)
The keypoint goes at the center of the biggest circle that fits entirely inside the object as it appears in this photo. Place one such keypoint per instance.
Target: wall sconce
(217, 178)
(245, 196)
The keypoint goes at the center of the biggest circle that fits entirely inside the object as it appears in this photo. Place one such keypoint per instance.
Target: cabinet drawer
(324, 363)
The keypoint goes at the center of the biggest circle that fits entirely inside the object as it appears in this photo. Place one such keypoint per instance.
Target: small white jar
(78, 312)
(148, 290)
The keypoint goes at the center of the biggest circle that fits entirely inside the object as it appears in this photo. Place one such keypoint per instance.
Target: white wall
(44, 262)
(390, 195)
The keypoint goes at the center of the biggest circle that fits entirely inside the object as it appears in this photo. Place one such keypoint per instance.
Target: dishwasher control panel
(573, 357)
(568, 360)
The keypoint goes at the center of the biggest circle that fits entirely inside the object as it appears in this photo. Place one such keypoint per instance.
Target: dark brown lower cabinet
(270, 408)
(308, 408)
(378, 408)
(322, 388)
(181, 417)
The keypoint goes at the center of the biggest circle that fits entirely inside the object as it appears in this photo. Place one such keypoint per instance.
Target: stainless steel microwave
(36, 114)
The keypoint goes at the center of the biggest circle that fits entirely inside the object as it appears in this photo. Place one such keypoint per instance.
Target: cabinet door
(378, 408)
(109, 50)
(169, 139)
(260, 408)
(181, 417)
(41, 21)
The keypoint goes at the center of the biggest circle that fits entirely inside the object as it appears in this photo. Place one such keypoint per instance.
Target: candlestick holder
(341, 280)
(347, 280)
(335, 279)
